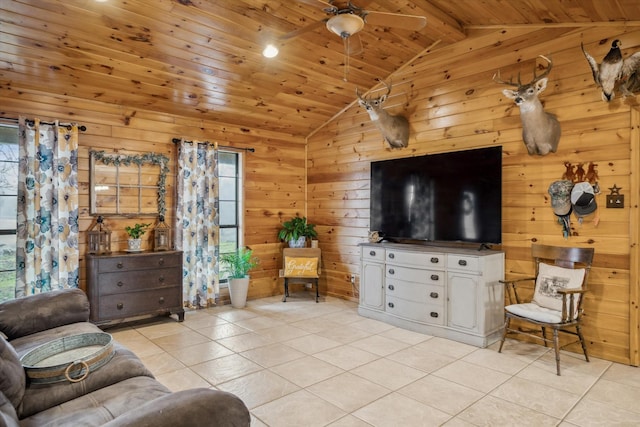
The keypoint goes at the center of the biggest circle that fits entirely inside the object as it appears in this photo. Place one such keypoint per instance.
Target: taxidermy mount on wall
(540, 130)
(614, 71)
(394, 129)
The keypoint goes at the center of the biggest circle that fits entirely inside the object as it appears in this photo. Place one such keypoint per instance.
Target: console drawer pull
(392, 256)
(462, 262)
(433, 295)
(391, 287)
(119, 265)
(390, 305)
(161, 300)
(372, 253)
(161, 261)
(433, 314)
(392, 271)
(120, 284)
(435, 277)
(435, 260)
(120, 306)
(161, 279)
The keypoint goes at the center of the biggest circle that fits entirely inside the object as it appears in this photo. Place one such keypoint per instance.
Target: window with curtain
(8, 209)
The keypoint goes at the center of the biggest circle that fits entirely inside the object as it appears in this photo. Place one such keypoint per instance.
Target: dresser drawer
(417, 292)
(463, 263)
(134, 262)
(425, 313)
(370, 253)
(395, 272)
(417, 259)
(127, 281)
(137, 303)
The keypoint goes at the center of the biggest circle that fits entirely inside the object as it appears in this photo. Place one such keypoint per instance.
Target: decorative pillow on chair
(551, 278)
(300, 267)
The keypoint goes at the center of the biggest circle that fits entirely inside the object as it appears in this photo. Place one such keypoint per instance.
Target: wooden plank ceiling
(202, 58)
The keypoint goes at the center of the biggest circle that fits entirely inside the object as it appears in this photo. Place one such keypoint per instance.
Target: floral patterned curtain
(197, 222)
(47, 241)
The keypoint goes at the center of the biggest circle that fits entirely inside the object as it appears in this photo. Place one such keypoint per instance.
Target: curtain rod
(81, 128)
(176, 140)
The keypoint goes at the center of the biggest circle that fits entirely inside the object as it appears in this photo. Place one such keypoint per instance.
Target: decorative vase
(238, 289)
(299, 243)
(134, 245)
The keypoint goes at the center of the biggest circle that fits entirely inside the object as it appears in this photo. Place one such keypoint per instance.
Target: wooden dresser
(124, 285)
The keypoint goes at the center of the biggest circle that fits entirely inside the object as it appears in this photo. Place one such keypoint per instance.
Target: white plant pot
(300, 243)
(238, 289)
(134, 245)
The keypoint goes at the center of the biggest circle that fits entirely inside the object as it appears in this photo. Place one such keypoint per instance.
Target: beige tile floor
(304, 364)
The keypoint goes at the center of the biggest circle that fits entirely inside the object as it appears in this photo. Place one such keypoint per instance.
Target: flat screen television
(448, 197)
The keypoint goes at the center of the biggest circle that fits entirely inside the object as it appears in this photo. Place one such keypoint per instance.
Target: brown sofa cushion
(35, 313)
(12, 376)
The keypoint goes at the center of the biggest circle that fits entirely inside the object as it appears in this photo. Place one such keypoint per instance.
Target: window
(8, 209)
(230, 204)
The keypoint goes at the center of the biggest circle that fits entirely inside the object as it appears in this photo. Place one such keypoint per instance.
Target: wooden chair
(300, 265)
(560, 285)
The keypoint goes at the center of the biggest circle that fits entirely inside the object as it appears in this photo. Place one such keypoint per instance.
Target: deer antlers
(497, 79)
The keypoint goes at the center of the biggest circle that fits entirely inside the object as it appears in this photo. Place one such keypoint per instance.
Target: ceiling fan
(348, 20)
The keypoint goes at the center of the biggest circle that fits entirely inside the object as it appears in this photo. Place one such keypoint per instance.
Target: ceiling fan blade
(385, 19)
(311, 27)
(353, 44)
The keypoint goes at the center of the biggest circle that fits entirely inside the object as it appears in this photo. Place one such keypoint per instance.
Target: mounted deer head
(540, 130)
(394, 129)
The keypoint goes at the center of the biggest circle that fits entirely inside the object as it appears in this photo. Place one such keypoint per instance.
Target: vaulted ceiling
(203, 58)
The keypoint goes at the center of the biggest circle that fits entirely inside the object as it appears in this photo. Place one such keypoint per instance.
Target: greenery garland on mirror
(141, 159)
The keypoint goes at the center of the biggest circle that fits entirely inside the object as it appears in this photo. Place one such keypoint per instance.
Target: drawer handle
(390, 305)
(435, 277)
(433, 314)
(161, 279)
(161, 300)
(119, 265)
(392, 271)
(392, 256)
(120, 284)
(120, 306)
(433, 295)
(435, 260)
(161, 261)
(462, 262)
(391, 287)
(372, 253)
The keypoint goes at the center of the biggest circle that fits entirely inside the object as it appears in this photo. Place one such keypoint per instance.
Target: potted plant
(134, 243)
(239, 263)
(296, 230)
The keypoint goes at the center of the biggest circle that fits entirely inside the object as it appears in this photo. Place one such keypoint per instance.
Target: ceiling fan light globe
(270, 51)
(345, 25)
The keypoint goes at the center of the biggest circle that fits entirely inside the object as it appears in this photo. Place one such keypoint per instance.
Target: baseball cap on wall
(560, 192)
(583, 199)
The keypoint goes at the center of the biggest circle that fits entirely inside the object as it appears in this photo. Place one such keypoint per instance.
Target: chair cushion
(300, 267)
(12, 376)
(535, 312)
(550, 279)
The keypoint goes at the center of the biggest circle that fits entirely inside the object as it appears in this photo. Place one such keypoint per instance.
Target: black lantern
(99, 237)
(162, 236)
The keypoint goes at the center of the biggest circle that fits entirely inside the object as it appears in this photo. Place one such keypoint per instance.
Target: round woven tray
(69, 358)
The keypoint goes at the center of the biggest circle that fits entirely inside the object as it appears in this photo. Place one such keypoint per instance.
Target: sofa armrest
(36, 313)
(198, 407)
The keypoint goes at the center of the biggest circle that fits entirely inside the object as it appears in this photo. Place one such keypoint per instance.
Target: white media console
(447, 292)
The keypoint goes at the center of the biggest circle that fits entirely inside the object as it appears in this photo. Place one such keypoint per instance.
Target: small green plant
(296, 227)
(239, 262)
(137, 230)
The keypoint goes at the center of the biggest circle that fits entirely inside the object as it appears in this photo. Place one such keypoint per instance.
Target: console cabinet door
(372, 285)
(462, 301)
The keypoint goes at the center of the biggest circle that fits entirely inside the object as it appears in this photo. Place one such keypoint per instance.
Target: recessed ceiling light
(270, 51)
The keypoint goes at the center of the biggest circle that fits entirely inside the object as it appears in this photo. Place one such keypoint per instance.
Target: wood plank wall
(274, 173)
(453, 104)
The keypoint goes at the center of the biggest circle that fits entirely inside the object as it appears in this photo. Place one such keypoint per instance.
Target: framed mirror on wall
(127, 185)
